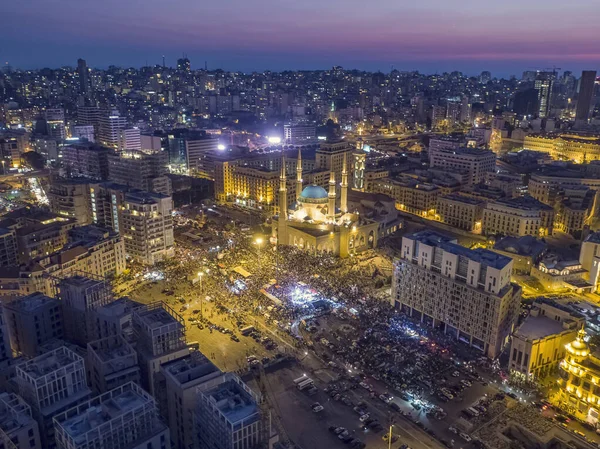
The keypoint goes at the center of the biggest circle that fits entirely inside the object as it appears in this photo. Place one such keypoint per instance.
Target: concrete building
(196, 148)
(589, 258)
(8, 247)
(42, 234)
(475, 161)
(538, 345)
(140, 170)
(87, 160)
(18, 429)
(574, 209)
(123, 418)
(254, 187)
(465, 292)
(81, 295)
(556, 274)
(161, 338)
(330, 156)
(228, 415)
(544, 83)
(518, 217)
(111, 363)
(5, 350)
(110, 125)
(71, 199)
(182, 378)
(440, 142)
(52, 383)
(84, 132)
(89, 115)
(130, 139)
(31, 321)
(460, 211)
(584, 98)
(300, 134)
(579, 148)
(115, 318)
(525, 252)
(55, 123)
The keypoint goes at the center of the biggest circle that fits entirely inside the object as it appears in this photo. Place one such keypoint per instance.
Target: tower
(584, 99)
(299, 175)
(331, 196)
(344, 198)
(283, 209)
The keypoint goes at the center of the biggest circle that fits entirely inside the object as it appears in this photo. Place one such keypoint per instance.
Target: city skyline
(505, 40)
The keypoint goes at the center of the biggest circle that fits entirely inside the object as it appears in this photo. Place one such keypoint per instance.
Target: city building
(228, 415)
(579, 148)
(8, 247)
(411, 195)
(55, 122)
(89, 115)
(41, 234)
(85, 159)
(518, 217)
(525, 252)
(84, 77)
(574, 209)
(31, 321)
(476, 162)
(130, 139)
(579, 375)
(110, 124)
(6, 358)
(465, 292)
(377, 207)
(123, 418)
(196, 147)
(84, 132)
(460, 211)
(589, 258)
(160, 338)
(182, 378)
(111, 363)
(584, 98)
(538, 345)
(52, 383)
(115, 318)
(71, 199)
(331, 156)
(140, 170)
(254, 187)
(556, 274)
(300, 134)
(81, 295)
(317, 224)
(18, 429)
(544, 83)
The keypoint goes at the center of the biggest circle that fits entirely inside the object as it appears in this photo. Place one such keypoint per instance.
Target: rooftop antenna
(163, 61)
(205, 65)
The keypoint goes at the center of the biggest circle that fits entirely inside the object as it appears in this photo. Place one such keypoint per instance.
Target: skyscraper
(584, 100)
(82, 70)
(544, 82)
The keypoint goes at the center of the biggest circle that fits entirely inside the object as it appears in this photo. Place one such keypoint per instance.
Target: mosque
(318, 221)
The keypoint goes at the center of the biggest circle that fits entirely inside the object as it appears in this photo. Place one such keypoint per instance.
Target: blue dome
(313, 193)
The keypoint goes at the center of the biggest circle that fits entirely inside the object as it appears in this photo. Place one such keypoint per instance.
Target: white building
(517, 217)
(300, 134)
(466, 293)
(84, 132)
(130, 139)
(18, 429)
(112, 362)
(52, 383)
(196, 148)
(123, 418)
(109, 129)
(475, 161)
(55, 122)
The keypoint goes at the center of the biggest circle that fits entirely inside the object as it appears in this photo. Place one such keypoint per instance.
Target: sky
(503, 36)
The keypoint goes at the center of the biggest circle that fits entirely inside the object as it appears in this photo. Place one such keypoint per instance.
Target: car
(454, 430)
(465, 437)
(346, 439)
(339, 430)
(357, 444)
(343, 435)
(395, 406)
(332, 429)
(455, 374)
(317, 407)
(359, 410)
(234, 338)
(364, 417)
(386, 437)
(579, 432)
(466, 383)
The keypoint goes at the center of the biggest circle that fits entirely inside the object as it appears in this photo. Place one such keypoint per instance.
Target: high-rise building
(52, 383)
(196, 147)
(544, 83)
(81, 296)
(31, 321)
(111, 362)
(86, 160)
(182, 378)
(70, 198)
(109, 130)
(83, 74)
(183, 65)
(123, 418)
(140, 170)
(55, 122)
(84, 132)
(160, 337)
(228, 415)
(18, 429)
(584, 99)
(300, 134)
(89, 115)
(130, 139)
(518, 217)
(475, 161)
(8, 247)
(465, 292)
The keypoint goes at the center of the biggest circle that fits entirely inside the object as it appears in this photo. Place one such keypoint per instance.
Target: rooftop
(524, 203)
(537, 327)
(523, 246)
(192, 367)
(14, 412)
(467, 151)
(31, 302)
(234, 402)
(48, 363)
(462, 199)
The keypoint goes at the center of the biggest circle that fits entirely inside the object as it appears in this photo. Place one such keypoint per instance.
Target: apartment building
(52, 383)
(476, 162)
(18, 429)
(41, 234)
(300, 133)
(460, 211)
(538, 345)
(140, 170)
(161, 338)
(85, 160)
(195, 149)
(518, 217)
(182, 378)
(8, 247)
(570, 147)
(123, 418)
(31, 321)
(228, 415)
(254, 187)
(110, 125)
(71, 199)
(465, 292)
(111, 363)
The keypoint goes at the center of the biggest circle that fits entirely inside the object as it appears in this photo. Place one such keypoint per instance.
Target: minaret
(283, 208)
(299, 175)
(344, 199)
(331, 196)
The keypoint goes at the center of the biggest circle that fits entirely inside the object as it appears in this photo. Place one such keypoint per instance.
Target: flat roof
(50, 362)
(232, 401)
(31, 302)
(191, 367)
(537, 327)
